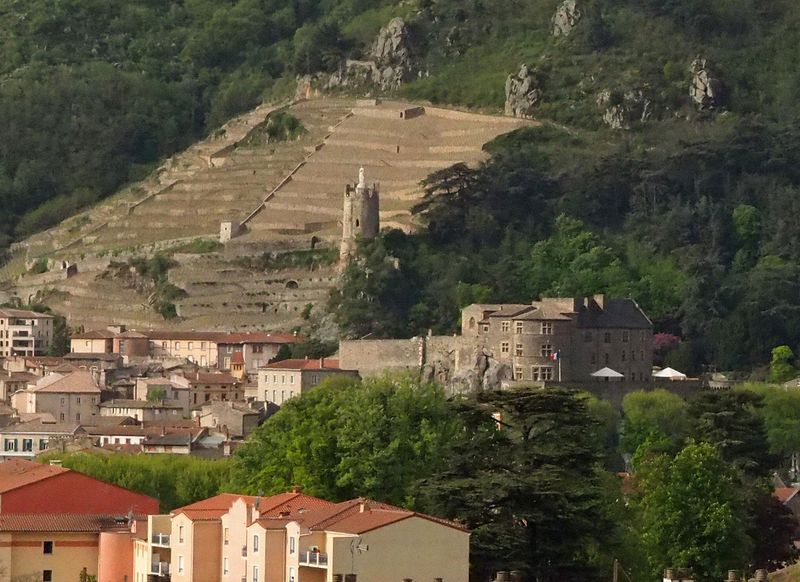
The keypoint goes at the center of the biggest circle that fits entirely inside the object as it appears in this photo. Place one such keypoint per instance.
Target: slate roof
(618, 313)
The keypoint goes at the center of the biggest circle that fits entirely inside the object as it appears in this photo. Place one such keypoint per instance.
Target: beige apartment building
(199, 347)
(565, 339)
(292, 537)
(280, 381)
(73, 397)
(25, 333)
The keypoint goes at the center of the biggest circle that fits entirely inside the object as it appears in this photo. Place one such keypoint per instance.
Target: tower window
(356, 222)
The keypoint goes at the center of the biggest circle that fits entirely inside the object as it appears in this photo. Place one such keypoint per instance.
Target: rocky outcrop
(621, 109)
(567, 16)
(523, 93)
(388, 66)
(486, 374)
(706, 91)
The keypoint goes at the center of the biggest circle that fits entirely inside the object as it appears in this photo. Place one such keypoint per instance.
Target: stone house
(98, 341)
(73, 397)
(567, 340)
(144, 410)
(11, 382)
(235, 419)
(199, 347)
(205, 387)
(257, 348)
(25, 440)
(280, 381)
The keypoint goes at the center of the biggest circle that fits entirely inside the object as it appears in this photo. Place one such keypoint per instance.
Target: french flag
(555, 356)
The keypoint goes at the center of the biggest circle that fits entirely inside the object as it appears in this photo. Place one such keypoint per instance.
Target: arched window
(356, 222)
(471, 322)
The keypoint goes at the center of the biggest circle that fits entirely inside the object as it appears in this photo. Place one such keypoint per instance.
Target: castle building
(566, 339)
(360, 218)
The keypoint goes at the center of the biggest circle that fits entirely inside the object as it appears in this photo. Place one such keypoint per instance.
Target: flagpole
(559, 365)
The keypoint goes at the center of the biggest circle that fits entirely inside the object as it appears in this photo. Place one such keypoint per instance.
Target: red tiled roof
(95, 334)
(359, 523)
(784, 494)
(237, 358)
(304, 364)
(210, 336)
(78, 382)
(24, 314)
(17, 473)
(59, 522)
(223, 502)
(258, 337)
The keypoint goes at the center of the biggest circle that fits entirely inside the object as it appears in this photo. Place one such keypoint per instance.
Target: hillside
(283, 192)
(670, 138)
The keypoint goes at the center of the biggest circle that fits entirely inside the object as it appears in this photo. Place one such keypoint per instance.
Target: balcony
(160, 540)
(314, 559)
(159, 568)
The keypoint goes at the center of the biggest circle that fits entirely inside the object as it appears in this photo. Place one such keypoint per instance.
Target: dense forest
(691, 210)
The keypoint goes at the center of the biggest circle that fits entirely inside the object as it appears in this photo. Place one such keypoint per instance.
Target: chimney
(733, 576)
(362, 506)
(321, 363)
(297, 489)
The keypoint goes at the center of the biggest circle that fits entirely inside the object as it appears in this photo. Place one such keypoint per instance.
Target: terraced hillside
(285, 194)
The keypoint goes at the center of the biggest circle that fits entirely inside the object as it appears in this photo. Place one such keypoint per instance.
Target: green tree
(781, 368)
(729, 421)
(658, 413)
(523, 476)
(347, 438)
(691, 513)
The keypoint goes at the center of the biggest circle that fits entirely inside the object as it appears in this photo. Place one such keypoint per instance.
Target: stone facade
(360, 218)
(566, 340)
(552, 340)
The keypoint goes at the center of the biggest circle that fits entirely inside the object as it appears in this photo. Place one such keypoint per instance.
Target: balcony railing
(244, 551)
(159, 568)
(314, 559)
(160, 539)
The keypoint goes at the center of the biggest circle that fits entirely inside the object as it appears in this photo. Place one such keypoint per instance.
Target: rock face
(523, 93)
(389, 63)
(706, 90)
(567, 16)
(621, 109)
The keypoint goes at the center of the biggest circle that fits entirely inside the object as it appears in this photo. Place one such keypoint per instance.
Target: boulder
(567, 16)
(706, 90)
(393, 45)
(388, 65)
(523, 93)
(621, 109)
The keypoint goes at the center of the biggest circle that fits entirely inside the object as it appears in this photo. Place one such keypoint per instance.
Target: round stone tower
(360, 216)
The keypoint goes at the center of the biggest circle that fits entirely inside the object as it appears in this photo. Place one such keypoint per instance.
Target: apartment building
(280, 381)
(25, 440)
(73, 397)
(293, 537)
(25, 333)
(565, 339)
(208, 386)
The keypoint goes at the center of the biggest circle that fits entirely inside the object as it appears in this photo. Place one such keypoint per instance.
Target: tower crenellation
(360, 216)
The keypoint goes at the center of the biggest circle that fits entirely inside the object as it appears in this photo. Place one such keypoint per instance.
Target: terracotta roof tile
(784, 494)
(78, 382)
(17, 473)
(94, 334)
(24, 314)
(60, 522)
(304, 364)
(258, 337)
